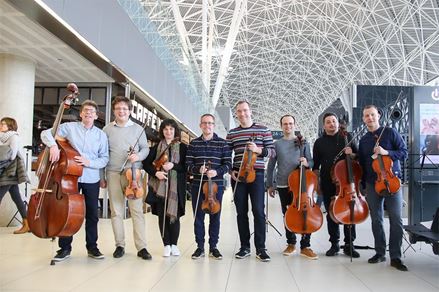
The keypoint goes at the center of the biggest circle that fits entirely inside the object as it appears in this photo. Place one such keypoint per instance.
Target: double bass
(303, 215)
(56, 208)
(348, 206)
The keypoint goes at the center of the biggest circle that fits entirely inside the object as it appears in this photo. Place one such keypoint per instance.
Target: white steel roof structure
(298, 56)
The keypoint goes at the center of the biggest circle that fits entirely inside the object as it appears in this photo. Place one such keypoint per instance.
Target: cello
(348, 206)
(210, 204)
(56, 208)
(303, 215)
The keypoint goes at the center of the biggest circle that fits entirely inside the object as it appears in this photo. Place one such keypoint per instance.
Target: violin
(163, 157)
(303, 215)
(56, 208)
(348, 206)
(210, 204)
(387, 182)
(134, 189)
(247, 171)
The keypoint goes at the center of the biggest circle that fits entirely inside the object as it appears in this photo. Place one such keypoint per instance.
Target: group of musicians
(122, 144)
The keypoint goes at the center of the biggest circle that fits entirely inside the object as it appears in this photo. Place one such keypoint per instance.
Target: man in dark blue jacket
(391, 144)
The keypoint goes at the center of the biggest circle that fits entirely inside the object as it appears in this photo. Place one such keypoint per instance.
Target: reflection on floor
(24, 263)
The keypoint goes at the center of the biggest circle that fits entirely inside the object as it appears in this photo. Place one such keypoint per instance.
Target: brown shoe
(24, 228)
(307, 252)
(291, 248)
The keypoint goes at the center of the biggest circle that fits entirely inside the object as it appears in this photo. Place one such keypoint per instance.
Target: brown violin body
(303, 215)
(134, 189)
(210, 204)
(163, 157)
(57, 208)
(349, 206)
(247, 171)
(387, 183)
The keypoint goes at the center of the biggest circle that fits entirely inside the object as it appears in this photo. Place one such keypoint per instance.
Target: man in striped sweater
(211, 156)
(257, 139)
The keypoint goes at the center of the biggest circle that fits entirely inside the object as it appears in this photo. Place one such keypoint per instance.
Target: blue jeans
(255, 191)
(91, 196)
(214, 219)
(394, 208)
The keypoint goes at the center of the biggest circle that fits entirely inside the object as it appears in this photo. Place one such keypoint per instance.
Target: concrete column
(17, 83)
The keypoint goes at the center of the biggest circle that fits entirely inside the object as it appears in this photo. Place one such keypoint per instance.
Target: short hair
(329, 114)
(287, 115)
(172, 123)
(370, 106)
(10, 123)
(124, 99)
(89, 102)
(208, 115)
(241, 102)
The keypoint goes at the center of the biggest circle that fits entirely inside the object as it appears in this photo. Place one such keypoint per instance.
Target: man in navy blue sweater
(391, 144)
(210, 156)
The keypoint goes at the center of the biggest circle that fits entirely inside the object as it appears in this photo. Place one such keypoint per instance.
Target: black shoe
(118, 252)
(61, 255)
(376, 259)
(214, 253)
(263, 256)
(242, 253)
(397, 263)
(347, 251)
(335, 248)
(144, 254)
(198, 253)
(95, 253)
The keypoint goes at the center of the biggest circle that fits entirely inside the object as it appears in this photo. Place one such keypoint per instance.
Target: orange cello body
(247, 171)
(210, 204)
(56, 209)
(303, 215)
(134, 189)
(386, 183)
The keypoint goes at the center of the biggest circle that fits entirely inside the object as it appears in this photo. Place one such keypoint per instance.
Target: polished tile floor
(24, 264)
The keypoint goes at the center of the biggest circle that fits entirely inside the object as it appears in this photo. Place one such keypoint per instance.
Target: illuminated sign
(143, 115)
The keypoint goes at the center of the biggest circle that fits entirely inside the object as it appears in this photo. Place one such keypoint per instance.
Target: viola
(134, 189)
(163, 157)
(210, 204)
(56, 208)
(303, 215)
(247, 171)
(387, 182)
(348, 206)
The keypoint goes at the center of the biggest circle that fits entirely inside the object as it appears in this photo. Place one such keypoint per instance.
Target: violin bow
(165, 205)
(349, 143)
(199, 192)
(131, 151)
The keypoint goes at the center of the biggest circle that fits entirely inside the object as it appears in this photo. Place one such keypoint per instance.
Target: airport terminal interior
(318, 118)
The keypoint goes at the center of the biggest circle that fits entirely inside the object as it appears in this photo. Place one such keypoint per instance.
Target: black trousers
(91, 196)
(286, 198)
(172, 230)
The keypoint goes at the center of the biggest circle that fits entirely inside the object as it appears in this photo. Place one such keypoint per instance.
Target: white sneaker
(167, 251)
(175, 251)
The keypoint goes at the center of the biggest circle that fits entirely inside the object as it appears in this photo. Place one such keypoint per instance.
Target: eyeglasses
(121, 109)
(86, 110)
(208, 123)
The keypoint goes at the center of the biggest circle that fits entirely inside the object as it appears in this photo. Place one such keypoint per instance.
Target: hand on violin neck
(380, 150)
(82, 161)
(252, 147)
(161, 175)
(211, 173)
(168, 166)
(54, 153)
(348, 150)
(133, 158)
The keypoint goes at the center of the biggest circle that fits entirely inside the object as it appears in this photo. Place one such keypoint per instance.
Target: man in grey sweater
(122, 136)
(288, 159)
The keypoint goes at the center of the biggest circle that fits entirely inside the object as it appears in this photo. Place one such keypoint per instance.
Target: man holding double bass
(208, 158)
(288, 159)
(391, 145)
(325, 151)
